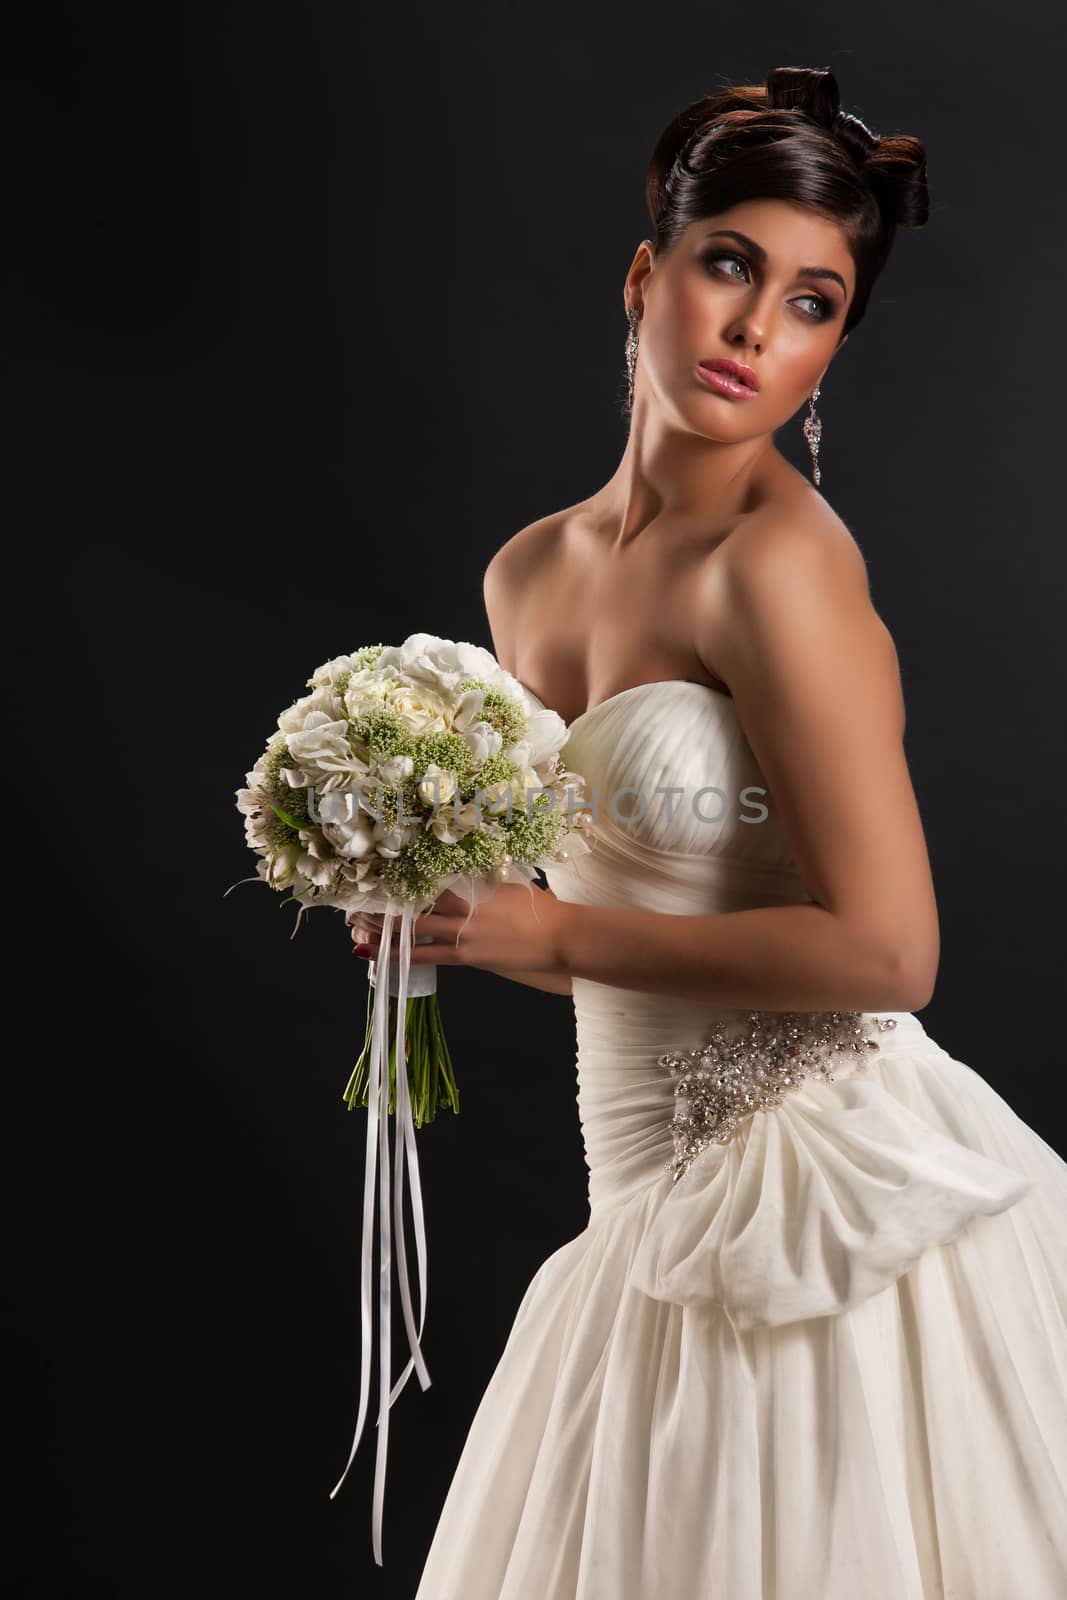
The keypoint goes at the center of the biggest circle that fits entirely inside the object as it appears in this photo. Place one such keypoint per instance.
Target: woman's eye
(823, 306)
(724, 255)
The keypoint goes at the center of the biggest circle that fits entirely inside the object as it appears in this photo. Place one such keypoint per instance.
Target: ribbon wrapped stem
(377, 1162)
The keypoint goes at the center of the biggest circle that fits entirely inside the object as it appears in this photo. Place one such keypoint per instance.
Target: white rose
(366, 691)
(419, 709)
(438, 786)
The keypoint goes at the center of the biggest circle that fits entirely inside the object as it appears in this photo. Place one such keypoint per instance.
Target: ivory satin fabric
(831, 1362)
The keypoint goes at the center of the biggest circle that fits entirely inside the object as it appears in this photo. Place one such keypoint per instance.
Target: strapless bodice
(683, 823)
(684, 820)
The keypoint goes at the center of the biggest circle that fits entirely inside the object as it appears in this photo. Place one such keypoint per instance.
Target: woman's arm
(772, 958)
(813, 672)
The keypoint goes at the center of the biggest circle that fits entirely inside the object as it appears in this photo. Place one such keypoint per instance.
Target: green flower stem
(431, 1076)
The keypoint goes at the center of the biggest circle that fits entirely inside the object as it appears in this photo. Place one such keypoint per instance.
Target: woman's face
(773, 300)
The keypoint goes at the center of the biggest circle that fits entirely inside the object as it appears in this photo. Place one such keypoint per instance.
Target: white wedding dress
(829, 1362)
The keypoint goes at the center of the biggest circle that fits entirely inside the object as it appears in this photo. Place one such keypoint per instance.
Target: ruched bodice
(716, 845)
(680, 804)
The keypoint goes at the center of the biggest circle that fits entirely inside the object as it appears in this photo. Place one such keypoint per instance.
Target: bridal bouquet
(407, 770)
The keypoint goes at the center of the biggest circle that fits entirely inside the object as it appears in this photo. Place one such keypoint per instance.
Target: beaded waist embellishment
(721, 1083)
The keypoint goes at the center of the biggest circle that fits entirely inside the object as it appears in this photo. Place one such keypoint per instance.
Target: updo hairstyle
(791, 141)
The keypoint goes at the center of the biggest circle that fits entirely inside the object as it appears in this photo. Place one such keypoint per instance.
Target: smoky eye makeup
(828, 304)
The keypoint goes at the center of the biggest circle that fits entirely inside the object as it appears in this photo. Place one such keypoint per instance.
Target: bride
(813, 1339)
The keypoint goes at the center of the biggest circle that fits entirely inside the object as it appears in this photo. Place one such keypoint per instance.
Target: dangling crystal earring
(813, 433)
(631, 355)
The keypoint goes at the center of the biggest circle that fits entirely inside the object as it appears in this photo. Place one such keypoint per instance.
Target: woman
(813, 1338)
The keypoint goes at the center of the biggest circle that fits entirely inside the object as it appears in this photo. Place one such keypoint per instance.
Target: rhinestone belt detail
(721, 1083)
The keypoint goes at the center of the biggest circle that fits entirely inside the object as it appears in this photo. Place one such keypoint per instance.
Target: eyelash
(731, 255)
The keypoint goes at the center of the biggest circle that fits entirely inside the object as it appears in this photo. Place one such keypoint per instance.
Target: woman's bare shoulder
(796, 524)
(791, 549)
(520, 555)
(533, 551)
(543, 550)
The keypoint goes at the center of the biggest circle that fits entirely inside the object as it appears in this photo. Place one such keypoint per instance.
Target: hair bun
(896, 172)
(812, 90)
(893, 166)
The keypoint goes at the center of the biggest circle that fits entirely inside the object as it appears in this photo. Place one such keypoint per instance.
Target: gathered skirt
(830, 1364)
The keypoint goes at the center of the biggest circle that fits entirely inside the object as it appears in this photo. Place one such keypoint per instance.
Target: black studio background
(308, 309)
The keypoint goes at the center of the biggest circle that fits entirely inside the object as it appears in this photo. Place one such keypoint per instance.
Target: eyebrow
(761, 256)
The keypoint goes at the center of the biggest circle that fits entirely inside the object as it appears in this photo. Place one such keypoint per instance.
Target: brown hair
(789, 140)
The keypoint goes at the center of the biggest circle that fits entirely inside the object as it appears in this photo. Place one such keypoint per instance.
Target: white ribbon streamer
(403, 1139)
(413, 982)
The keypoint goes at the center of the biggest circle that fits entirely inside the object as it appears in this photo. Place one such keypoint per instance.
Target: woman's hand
(515, 930)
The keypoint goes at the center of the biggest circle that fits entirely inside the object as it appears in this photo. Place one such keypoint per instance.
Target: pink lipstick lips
(729, 377)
